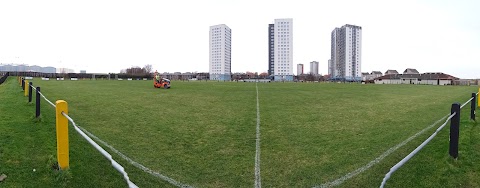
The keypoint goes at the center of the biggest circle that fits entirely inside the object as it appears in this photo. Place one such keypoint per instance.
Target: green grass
(203, 133)
(27, 144)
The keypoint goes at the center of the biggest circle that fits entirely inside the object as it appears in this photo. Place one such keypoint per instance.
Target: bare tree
(148, 68)
(263, 75)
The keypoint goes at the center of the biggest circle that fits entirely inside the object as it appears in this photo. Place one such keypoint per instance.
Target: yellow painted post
(62, 134)
(26, 88)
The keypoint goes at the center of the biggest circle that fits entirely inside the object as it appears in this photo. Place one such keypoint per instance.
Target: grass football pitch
(204, 133)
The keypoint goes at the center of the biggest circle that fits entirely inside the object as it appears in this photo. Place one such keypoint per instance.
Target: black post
(30, 92)
(454, 130)
(37, 106)
(472, 109)
(23, 84)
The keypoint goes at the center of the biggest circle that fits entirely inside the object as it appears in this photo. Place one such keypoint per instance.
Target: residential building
(371, 76)
(283, 49)
(389, 71)
(299, 69)
(330, 67)
(220, 52)
(436, 78)
(346, 53)
(410, 71)
(314, 67)
(376, 74)
(271, 49)
(365, 76)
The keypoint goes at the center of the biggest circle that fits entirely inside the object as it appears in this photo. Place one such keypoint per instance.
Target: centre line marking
(258, 179)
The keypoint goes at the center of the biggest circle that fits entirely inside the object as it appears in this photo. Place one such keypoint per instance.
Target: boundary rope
(414, 152)
(85, 134)
(116, 165)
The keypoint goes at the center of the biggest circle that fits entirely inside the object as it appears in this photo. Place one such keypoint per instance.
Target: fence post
(37, 104)
(454, 130)
(472, 109)
(30, 92)
(25, 85)
(62, 134)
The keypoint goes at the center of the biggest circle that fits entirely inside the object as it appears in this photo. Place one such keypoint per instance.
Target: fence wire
(43, 96)
(117, 166)
(414, 152)
(466, 103)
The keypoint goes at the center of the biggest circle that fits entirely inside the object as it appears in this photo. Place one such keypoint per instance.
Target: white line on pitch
(258, 179)
(376, 160)
(136, 164)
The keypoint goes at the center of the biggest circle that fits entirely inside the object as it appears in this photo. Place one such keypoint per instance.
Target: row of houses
(436, 78)
(410, 76)
(375, 74)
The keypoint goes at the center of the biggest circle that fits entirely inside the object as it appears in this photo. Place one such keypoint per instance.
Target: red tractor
(160, 82)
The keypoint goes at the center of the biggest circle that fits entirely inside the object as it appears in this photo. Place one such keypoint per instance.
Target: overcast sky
(107, 36)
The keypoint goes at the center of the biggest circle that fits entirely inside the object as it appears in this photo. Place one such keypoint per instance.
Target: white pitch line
(258, 179)
(136, 164)
(376, 160)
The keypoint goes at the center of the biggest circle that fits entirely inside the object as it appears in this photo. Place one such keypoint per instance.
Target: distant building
(376, 74)
(26, 68)
(418, 79)
(49, 70)
(331, 69)
(410, 71)
(83, 71)
(346, 53)
(299, 69)
(65, 70)
(391, 72)
(283, 49)
(220, 52)
(34, 68)
(365, 76)
(371, 76)
(271, 49)
(314, 67)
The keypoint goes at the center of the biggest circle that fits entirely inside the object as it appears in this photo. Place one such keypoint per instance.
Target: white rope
(104, 153)
(466, 103)
(43, 96)
(136, 164)
(33, 88)
(378, 159)
(414, 152)
(50, 102)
